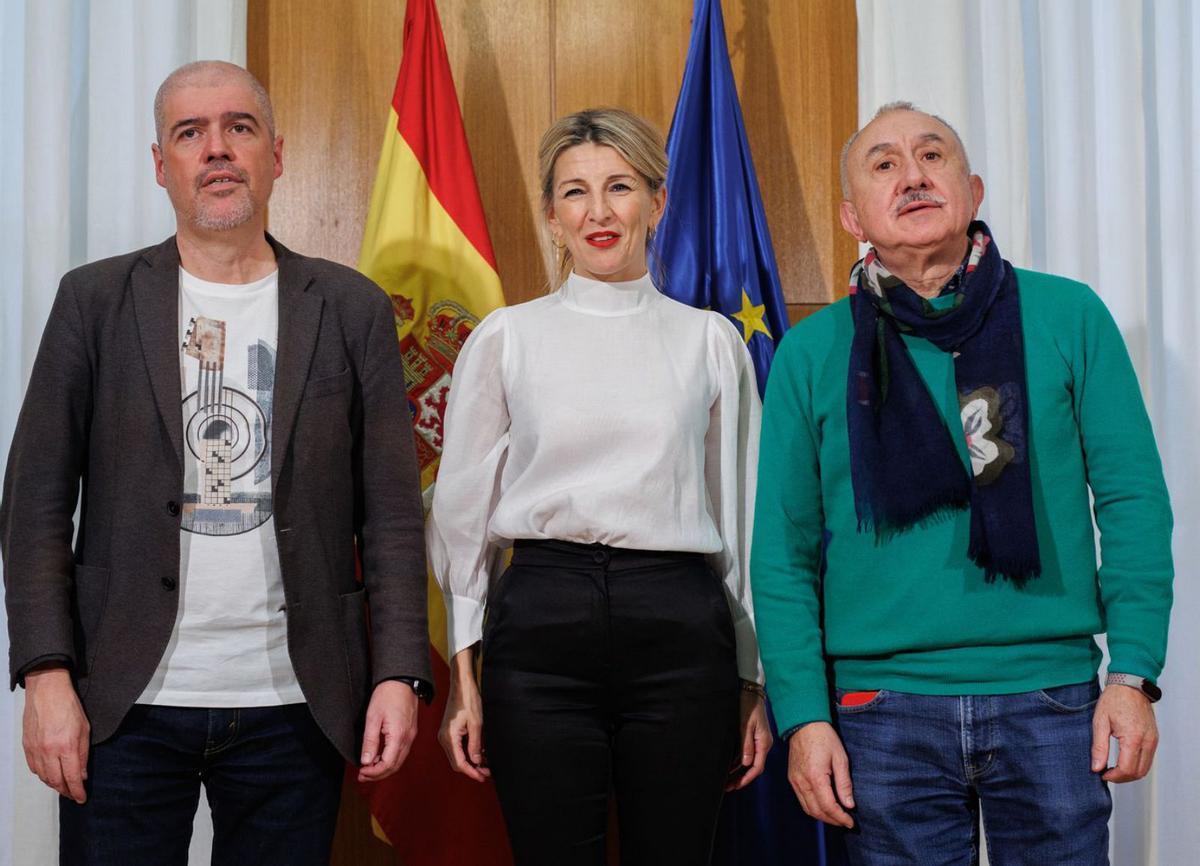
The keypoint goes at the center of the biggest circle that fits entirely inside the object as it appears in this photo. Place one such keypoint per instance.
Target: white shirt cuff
(464, 622)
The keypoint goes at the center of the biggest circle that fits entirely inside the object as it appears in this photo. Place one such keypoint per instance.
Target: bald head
(208, 73)
(885, 109)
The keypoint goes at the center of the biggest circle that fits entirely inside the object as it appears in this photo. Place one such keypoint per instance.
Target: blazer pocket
(91, 596)
(328, 384)
(354, 640)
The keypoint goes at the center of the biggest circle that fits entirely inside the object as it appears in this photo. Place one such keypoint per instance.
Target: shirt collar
(600, 298)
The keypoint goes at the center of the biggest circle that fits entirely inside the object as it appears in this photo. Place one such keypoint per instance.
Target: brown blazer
(103, 411)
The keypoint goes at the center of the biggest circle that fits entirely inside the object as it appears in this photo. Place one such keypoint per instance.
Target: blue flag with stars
(715, 249)
(713, 242)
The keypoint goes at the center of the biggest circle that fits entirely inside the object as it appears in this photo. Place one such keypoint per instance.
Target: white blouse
(603, 412)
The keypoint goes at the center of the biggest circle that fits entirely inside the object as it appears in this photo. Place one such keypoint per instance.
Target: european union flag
(715, 249)
(713, 242)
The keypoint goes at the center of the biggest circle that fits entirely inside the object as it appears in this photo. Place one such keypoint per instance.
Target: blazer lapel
(156, 307)
(299, 324)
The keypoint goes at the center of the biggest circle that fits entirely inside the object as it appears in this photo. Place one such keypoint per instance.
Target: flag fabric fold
(713, 243)
(426, 244)
(714, 250)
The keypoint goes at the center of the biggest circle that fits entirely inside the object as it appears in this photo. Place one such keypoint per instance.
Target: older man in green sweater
(926, 582)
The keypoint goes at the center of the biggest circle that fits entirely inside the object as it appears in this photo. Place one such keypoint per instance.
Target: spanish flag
(426, 243)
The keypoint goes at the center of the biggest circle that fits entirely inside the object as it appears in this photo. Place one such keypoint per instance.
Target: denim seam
(210, 749)
(964, 737)
(1063, 708)
(990, 758)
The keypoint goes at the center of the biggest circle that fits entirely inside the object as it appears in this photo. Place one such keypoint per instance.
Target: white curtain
(77, 83)
(1082, 118)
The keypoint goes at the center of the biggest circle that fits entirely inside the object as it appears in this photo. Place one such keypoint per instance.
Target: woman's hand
(756, 742)
(461, 733)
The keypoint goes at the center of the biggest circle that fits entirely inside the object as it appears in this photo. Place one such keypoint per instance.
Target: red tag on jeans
(857, 699)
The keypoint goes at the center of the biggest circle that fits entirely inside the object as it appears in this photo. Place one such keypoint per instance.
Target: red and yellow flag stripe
(426, 243)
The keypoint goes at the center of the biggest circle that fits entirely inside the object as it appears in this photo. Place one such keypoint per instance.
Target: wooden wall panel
(794, 63)
(518, 64)
(331, 70)
(502, 70)
(621, 53)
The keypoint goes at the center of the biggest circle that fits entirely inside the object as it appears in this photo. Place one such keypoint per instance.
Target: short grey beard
(225, 221)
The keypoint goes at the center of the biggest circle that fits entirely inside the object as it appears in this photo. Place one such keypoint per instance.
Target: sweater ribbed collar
(599, 298)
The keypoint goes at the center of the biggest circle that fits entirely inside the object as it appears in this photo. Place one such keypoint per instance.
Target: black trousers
(609, 670)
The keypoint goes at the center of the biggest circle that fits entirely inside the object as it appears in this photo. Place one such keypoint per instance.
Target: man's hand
(756, 742)
(817, 766)
(461, 734)
(390, 731)
(1127, 714)
(55, 732)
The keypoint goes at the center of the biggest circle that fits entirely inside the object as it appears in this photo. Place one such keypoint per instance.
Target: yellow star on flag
(751, 317)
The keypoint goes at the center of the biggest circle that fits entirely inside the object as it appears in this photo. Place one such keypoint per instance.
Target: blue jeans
(272, 778)
(922, 766)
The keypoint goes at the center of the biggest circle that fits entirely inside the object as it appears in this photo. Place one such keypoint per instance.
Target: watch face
(1151, 691)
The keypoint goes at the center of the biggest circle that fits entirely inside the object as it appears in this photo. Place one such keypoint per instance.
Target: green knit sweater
(915, 614)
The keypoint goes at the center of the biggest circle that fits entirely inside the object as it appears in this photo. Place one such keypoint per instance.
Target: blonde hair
(636, 140)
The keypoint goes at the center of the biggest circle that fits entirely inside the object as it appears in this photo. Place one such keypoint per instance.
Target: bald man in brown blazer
(231, 419)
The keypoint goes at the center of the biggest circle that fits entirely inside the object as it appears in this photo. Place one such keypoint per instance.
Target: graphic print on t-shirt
(228, 434)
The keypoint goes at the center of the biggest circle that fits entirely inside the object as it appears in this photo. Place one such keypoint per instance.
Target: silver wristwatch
(1147, 687)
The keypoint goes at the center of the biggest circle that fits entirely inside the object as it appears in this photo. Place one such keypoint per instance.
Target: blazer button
(168, 583)
(173, 508)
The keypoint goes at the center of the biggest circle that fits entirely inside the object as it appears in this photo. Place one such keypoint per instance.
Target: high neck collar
(599, 298)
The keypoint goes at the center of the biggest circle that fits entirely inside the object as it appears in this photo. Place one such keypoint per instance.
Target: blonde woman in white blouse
(609, 435)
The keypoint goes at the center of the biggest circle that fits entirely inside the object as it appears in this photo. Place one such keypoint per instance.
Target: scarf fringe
(931, 515)
(1019, 572)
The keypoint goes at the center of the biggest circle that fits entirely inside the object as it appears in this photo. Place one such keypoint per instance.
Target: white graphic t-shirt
(229, 647)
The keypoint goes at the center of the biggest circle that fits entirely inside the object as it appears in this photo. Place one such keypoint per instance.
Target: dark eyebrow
(187, 121)
(231, 116)
(227, 117)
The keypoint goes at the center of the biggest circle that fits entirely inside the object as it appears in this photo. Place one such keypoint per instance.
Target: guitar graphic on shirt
(205, 341)
(227, 433)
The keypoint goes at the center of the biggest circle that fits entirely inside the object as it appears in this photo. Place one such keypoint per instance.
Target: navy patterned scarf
(903, 461)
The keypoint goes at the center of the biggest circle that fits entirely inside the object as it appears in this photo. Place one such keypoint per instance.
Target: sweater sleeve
(730, 466)
(468, 486)
(788, 533)
(1132, 509)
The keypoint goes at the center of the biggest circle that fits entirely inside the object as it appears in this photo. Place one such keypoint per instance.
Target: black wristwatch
(1147, 687)
(422, 688)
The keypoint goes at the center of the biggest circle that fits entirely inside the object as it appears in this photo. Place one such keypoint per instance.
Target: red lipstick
(602, 240)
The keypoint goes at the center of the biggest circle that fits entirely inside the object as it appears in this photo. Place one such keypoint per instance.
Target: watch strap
(1146, 686)
(422, 688)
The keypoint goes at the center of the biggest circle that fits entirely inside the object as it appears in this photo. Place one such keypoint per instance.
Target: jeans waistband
(571, 554)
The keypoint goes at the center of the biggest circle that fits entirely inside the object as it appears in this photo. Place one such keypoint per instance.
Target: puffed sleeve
(730, 464)
(474, 446)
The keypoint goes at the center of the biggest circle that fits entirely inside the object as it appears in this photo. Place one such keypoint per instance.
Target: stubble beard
(222, 216)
